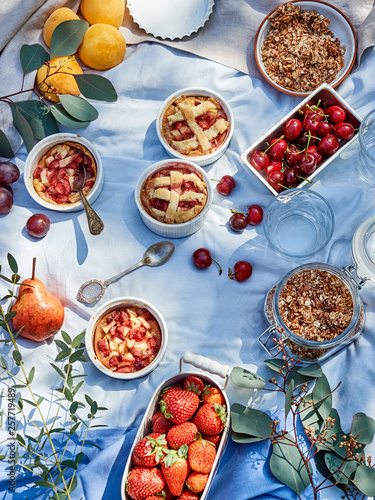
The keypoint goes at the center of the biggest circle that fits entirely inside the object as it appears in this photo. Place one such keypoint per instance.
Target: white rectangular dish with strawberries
(132, 491)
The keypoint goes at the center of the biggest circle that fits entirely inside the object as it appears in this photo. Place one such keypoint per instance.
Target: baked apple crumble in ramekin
(126, 338)
(51, 168)
(195, 124)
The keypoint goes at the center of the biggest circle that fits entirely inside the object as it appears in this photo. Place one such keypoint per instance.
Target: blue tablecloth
(206, 313)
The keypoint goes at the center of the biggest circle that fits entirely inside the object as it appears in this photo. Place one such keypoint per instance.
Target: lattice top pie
(54, 175)
(195, 125)
(175, 193)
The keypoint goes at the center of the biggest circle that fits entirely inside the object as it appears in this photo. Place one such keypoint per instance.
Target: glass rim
(364, 123)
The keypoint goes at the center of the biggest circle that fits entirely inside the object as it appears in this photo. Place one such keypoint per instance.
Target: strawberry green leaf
(251, 422)
(247, 379)
(32, 57)
(39, 117)
(78, 108)
(365, 480)
(5, 148)
(287, 465)
(363, 427)
(67, 37)
(96, 87)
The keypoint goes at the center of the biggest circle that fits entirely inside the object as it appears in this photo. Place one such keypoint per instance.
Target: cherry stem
(218, 265)
(231, 274)
(270, 146)
(304, 178)
(237, 212)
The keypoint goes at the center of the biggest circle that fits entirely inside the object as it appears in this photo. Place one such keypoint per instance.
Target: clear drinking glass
(298, 223)
(366, 136)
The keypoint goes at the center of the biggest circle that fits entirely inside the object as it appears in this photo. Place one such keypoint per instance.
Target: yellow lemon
(103, 11)
(102, 47)
(57, 17)
(60, 80)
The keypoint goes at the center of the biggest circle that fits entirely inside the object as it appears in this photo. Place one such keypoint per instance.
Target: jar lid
(363, 249)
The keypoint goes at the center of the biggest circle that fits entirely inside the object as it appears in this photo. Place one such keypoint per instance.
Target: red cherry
(277, 149)
(293, 154)
(315, 152)
(336, 113)
(226, 185)
(307, 164)
(291, 176)
(242, 271)
(292, 129)
(324, 128)
(259, 160)
(273, 165)
(311, 122)
(275, 176)
(306, 139)
(254, 215)
(237, 222)
(328, 145)
(344, 130)
(202, 258)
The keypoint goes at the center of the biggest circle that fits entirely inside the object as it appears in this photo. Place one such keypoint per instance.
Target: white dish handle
(206, 364)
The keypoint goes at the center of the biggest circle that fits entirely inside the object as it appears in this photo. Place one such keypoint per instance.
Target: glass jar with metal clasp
(299, 321)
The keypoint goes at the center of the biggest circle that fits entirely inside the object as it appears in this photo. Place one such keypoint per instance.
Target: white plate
(340, 26)
(169, 18)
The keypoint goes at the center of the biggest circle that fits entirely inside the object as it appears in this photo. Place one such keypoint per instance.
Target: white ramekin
(172, 230)
(114, 304)
(40, 149)
(195, 91)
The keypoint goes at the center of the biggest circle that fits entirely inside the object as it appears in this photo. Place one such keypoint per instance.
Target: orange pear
(40, 314)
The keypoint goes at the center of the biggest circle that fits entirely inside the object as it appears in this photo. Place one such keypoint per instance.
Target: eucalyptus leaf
(78, 108)
(250, 421)
(365, 480)
(343, 470)
(65, 119)
(322, 397)
(38, 114)
(67, 37)
(287, 466)
(247, 379)
(289, 398)
(319, 460)
(24, 128)
(364, 427)
(6, 150)
(245, 438)
(12, 263)
(313, 370)
(277, 365)
(333, 435)
(96, 87)
(32, 57)
(298, 379)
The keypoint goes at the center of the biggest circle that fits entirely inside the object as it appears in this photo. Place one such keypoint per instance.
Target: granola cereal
(316, 305)
(299, 52)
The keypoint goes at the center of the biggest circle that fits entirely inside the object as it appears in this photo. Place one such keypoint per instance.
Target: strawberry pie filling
(127, 339)
(54, 176)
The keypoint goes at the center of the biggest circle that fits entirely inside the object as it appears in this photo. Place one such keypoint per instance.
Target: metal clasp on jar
(350, 271)
(270, 333)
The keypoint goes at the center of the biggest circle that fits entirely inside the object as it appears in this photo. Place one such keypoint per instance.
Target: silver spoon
(156, 255)
(95, 223)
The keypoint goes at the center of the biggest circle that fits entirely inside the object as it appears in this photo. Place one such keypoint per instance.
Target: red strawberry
(150, 450)
(189, 495)
(213, 395)
(181, 434)
(179, 405)
(215, 440)
(143, 482)
(210, 419)
(201, 456)
(194, 384)
(175, 469)
(160, 424)
(196, 482)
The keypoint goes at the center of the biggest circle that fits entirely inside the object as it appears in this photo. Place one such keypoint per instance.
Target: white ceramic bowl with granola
(126, 338)
(50, 170)
(302, 44)
(195, 124)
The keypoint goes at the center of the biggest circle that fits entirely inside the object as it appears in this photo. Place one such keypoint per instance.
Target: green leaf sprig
(35, 119)
(338, 456)
(37, 450)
